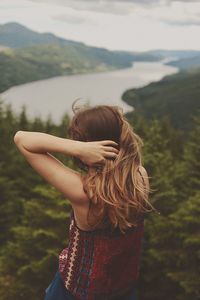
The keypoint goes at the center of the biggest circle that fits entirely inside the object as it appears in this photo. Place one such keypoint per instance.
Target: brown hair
(117, 193)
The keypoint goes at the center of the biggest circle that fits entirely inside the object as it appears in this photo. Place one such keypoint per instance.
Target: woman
(108, 200)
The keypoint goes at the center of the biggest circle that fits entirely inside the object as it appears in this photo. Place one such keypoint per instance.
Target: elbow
(18, 136)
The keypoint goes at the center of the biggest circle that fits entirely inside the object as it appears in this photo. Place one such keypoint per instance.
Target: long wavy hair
(116, 192)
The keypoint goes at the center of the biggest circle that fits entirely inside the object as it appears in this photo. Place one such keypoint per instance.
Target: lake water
(55, 95)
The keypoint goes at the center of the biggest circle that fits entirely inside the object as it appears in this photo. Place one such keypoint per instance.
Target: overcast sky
(135, 25)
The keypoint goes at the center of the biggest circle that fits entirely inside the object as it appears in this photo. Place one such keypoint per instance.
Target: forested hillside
(16, 35)
(45, 61)
(26, 55)
(186, 63)
(34, 216)
(177, 96)
(179, 54)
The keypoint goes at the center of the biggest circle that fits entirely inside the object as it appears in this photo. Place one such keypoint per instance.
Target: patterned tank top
(101, 264)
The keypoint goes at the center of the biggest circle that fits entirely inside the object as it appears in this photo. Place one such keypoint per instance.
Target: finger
(105, 142)
(111, 149)
(100, 163)
(111, 155)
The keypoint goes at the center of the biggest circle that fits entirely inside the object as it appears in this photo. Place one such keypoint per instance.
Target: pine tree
(172, 242)
(30, 259)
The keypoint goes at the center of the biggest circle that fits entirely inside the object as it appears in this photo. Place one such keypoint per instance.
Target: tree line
(34, 217)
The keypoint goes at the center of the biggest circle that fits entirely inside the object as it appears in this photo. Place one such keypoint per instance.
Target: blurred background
(143, 55)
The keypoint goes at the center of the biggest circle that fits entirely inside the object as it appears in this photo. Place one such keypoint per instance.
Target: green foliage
(176, 96)
(187, 63)
(170, 260)
(34, 217)
(186, 266)
(35, 56)
(30, 258)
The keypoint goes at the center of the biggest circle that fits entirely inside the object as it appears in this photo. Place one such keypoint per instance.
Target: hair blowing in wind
(117, 193)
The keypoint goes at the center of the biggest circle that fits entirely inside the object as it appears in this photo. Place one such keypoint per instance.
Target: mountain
(186, 63)
(176, 96)
(26, 55)
(15, 35)
(179, 54)
(37, 62)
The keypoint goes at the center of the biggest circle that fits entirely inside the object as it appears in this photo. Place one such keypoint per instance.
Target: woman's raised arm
(35, 146)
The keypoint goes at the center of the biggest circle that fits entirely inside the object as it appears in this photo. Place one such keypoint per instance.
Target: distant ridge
(176, 96)
(186, 63)
(26, 55)
(15, 35)
(179, 54)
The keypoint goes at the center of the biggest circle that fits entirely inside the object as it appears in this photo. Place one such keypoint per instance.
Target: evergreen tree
(34, 218)
(30, 260)
(171, 241)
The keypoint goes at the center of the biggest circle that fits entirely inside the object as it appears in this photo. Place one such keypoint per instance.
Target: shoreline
(53, 94)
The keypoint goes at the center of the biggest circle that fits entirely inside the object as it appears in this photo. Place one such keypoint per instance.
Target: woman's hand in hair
(96, 152)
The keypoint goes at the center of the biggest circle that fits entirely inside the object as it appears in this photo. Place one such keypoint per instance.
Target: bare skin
(36, 148)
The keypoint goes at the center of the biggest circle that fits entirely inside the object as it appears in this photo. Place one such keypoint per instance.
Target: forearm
(39, 142)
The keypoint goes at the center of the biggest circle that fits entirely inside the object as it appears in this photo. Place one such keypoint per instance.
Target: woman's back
(81, 212)
(101, 264)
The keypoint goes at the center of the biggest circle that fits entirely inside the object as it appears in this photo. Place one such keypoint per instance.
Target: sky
(134, 25)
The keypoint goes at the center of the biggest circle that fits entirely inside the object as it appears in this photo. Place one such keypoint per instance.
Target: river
(54, 96)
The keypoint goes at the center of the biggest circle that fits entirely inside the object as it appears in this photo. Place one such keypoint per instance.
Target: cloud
(125, 25)
(91, 3)
(170, 12)
(105, 6)
(186, 13)
(115, 7)
(72, 19)
(184, 22)
(178, 14)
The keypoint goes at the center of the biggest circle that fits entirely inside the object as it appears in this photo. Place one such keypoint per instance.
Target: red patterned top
(101, 264)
